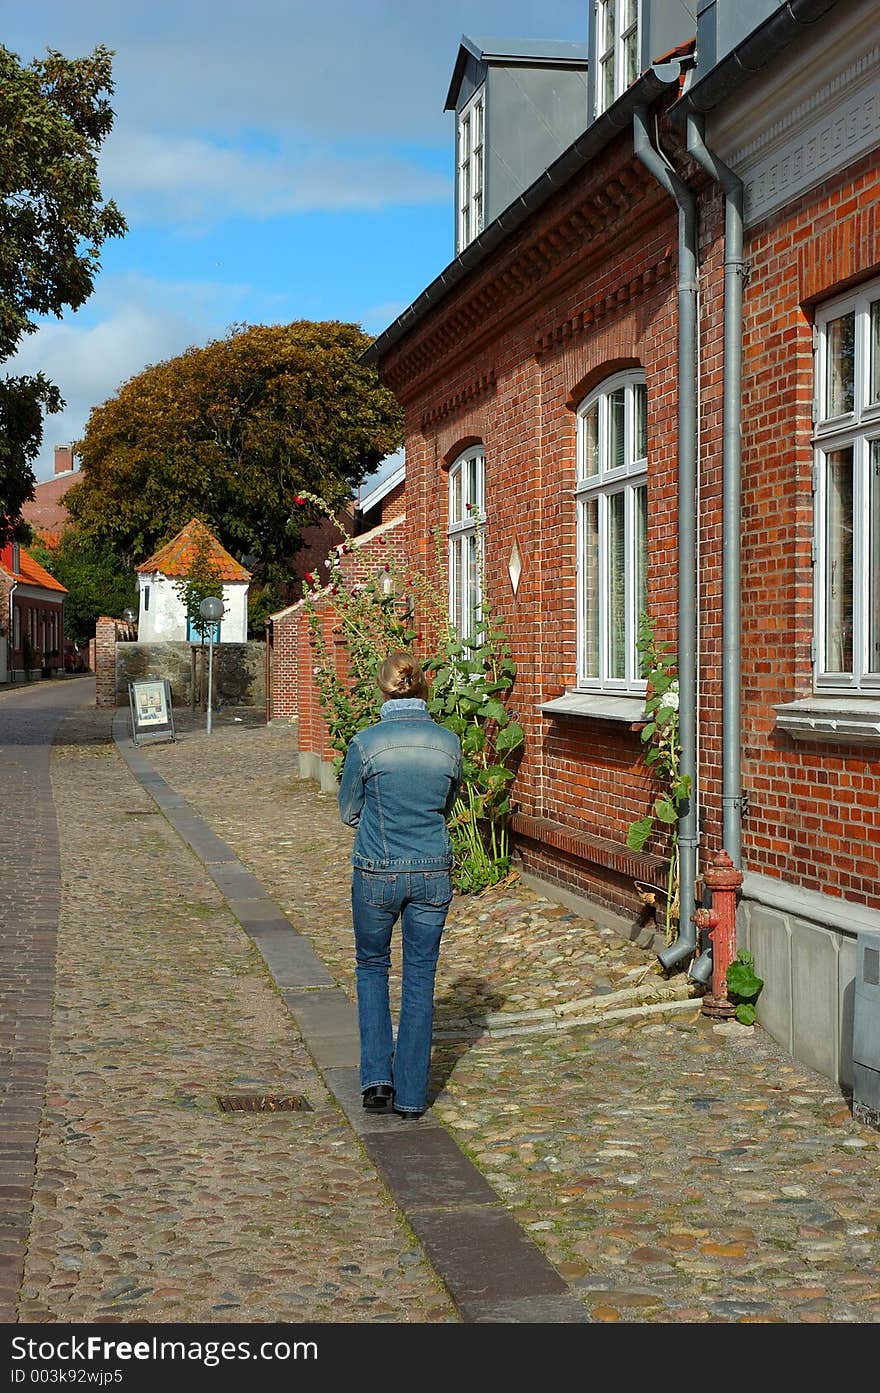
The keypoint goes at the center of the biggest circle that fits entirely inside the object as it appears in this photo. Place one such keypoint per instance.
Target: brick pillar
(104, 662)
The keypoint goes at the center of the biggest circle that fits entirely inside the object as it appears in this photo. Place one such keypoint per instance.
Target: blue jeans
(420, 899)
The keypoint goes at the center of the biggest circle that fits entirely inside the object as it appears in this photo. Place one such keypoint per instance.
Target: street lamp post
(211, 610)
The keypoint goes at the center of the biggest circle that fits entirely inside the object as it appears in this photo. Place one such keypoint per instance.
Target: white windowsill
(627, 709)
(855, 720)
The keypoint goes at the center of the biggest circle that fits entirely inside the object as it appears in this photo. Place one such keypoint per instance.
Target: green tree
(93, 579)
(54, 116)
(233, 433)
(202, 580)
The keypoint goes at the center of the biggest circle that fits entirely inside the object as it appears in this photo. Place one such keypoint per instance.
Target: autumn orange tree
(231, 433)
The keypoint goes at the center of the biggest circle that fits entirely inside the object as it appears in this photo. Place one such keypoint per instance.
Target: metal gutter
(731, 573)
(662, 78)
(756, 51)
(688, 833)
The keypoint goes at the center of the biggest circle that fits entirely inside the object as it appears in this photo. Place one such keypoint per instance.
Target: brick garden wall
(293, 688)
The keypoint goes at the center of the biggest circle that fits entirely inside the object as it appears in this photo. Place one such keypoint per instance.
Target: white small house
(162, 614)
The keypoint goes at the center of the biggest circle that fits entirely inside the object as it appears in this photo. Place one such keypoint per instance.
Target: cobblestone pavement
(670, 1168)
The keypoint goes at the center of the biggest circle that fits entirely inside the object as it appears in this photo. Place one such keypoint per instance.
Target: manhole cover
(263, 1102)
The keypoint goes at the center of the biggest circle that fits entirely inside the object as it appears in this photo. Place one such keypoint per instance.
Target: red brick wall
(814, 809)
(606, 302)
(506, 358)
(282, 648)
(294, 691)
(102, 658)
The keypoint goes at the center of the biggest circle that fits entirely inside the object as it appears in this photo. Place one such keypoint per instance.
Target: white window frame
(607, 483)
(857, 430)
(613, 54)
(471, 158)
(467, 504)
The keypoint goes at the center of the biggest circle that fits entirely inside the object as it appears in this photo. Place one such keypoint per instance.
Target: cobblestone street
(669, 1168)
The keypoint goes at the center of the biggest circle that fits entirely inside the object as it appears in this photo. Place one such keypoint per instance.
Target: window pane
(465, 146)
(455, 584)
(616, 587)
(478, 116)
(455, 495)
(608, 25)
(839, 562)
(607, 83)
(472, 495)
(472, 583)
(616, 415)
(840, 380)
(590, 601)
(589, 461)
(874, 387)
(640, 424)
(641, 544)
(627, 13)
(874, 553)
(630, 58)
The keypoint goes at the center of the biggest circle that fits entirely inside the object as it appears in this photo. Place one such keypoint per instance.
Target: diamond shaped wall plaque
(514, 566)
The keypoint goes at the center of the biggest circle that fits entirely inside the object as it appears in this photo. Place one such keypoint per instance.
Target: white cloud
(131, 323)
(193, 180)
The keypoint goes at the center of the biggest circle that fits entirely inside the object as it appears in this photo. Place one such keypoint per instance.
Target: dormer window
(471, 124)
(617, 47)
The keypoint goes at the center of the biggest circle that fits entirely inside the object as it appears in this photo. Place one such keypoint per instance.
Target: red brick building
(656, 376)
(31, 616)
(46, 511)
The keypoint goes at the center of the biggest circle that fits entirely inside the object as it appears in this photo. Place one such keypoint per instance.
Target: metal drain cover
(263, 1102)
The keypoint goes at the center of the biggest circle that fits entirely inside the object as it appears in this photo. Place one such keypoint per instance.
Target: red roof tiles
(175, 558)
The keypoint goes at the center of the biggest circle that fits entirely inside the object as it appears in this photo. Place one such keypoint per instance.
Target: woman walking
(399, 782)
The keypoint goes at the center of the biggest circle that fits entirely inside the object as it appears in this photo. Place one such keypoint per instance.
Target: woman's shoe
(408, 1112)
(377, 1095)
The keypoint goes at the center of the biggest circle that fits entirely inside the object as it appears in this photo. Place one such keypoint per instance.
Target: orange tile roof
(175, 558)
(30, 572)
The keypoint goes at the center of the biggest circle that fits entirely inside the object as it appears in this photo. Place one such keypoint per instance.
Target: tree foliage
(54, 116)
(232, 433)
(93, 579)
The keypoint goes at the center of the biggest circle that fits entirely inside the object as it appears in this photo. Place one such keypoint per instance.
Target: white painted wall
(162, 616)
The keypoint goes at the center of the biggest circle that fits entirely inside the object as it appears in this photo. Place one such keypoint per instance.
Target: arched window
(467, 487)
(612, 532)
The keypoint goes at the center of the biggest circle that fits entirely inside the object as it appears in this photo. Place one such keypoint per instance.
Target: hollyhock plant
(471, 679)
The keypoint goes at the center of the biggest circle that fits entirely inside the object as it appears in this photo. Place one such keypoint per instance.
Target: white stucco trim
(810, 119)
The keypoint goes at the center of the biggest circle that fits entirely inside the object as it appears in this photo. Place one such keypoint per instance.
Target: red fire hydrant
(723, 879)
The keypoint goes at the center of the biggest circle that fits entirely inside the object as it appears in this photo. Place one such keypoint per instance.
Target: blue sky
(274, 160)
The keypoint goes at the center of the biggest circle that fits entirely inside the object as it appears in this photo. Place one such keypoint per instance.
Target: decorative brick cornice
(471, 391)
(583, 234)
(615, 299)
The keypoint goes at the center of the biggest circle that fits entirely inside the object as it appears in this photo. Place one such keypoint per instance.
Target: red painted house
(654, 374)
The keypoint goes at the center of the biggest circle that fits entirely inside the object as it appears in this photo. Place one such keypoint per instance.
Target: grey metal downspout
(688, 838)
(731, 786)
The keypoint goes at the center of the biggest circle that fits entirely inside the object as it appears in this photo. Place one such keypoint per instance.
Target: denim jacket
(399, 782)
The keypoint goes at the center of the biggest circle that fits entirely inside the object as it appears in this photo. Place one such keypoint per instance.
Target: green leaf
(665, 810)
(494, 711)
(742, 980)
(510, 737)
(746, 1013)
(638, 833)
